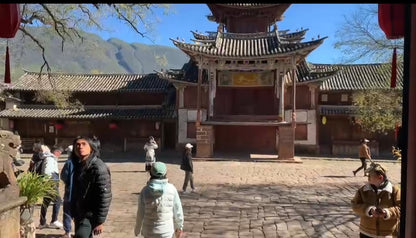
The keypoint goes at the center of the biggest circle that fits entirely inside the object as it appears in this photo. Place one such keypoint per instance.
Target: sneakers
(41, 226)
(56, 225)
(185, 191)
(194, 190)
(66, 235)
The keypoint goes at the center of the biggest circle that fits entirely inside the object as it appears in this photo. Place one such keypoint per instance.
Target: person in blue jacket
(67, 173)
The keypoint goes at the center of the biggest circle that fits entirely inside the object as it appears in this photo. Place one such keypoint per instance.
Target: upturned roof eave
(307, 49)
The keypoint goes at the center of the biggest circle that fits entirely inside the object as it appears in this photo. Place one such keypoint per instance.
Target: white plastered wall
(184, 117)
(304, 116)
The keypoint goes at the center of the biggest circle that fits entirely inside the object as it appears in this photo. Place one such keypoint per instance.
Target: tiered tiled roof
(119, 113)
(284, 35)
(187, 75)
(360, 77)
(248, 5)
(248, 45)
(307, 72)
(272, 10)
(30, 81)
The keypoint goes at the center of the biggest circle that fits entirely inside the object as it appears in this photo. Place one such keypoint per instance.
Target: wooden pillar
(181, 90)
(198, 97)
(294, 92)
(212, 91)
(312, 90)
(282, 95)
(162, 135)
(408, 178)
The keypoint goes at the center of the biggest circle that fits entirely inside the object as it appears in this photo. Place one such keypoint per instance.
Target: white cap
(188, 145)
(365, 140)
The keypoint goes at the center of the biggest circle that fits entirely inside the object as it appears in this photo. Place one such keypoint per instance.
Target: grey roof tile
(360, 77)
(30, 81)
(247, 45)
(48, 112)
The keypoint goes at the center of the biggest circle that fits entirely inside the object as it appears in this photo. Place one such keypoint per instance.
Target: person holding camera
(378, 205)
(150, 148)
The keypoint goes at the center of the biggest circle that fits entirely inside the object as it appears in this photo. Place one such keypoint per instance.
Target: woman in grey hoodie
(159, 212)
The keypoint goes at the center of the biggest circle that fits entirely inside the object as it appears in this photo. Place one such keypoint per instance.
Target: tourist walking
(159, 212)
(67, 173)
(35, 165)
(188, 167)
(378, 205)
(91, 189)
(364, 154)
(150, 148)
(50, 168)
(97, 142)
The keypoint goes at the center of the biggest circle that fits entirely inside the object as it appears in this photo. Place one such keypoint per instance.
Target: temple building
(247, 86)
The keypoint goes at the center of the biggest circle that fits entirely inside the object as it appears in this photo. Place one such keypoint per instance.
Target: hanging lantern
(113, 125)
(392, 22)
(323, 120)
(10, 22)
(391, 18)
(59, 126)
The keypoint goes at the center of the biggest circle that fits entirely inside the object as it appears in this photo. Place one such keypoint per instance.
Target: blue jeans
(67, 219)
(56, 203)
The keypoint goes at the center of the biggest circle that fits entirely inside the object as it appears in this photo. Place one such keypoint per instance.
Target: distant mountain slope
(93, 55)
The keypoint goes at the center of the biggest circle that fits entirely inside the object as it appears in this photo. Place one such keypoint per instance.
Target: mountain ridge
(92, 54)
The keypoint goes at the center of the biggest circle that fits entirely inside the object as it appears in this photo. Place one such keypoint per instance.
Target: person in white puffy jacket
(159, 212)
(150, 148)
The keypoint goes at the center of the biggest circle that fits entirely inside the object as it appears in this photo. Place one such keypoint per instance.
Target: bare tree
(360, 37)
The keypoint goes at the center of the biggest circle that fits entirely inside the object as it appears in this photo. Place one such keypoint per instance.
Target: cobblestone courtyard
(247, 199)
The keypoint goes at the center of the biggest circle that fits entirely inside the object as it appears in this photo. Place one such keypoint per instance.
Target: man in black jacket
(188, 167)
(91, 190)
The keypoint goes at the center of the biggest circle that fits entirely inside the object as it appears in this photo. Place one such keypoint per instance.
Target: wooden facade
(235, 94)
(122, 118)
(245, 75)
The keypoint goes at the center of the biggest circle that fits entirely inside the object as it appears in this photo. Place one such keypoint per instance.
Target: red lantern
(391, 20)
(10, 22)
(112, 125)
(59, 126)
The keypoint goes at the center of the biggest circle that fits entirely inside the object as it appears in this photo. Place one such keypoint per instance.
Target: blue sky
(320, 19)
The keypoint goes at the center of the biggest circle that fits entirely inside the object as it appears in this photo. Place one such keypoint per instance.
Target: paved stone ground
(246, 199)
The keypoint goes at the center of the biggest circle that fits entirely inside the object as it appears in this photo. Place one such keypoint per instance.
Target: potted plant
(34, 187)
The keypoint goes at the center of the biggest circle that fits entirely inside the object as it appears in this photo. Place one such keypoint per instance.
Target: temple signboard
(245, 79)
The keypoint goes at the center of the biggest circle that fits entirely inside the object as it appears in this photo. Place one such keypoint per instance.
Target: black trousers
(83, 228)
(363, 165)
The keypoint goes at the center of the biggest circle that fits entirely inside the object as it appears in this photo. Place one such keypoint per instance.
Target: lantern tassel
(7, 67)
(393, 69)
